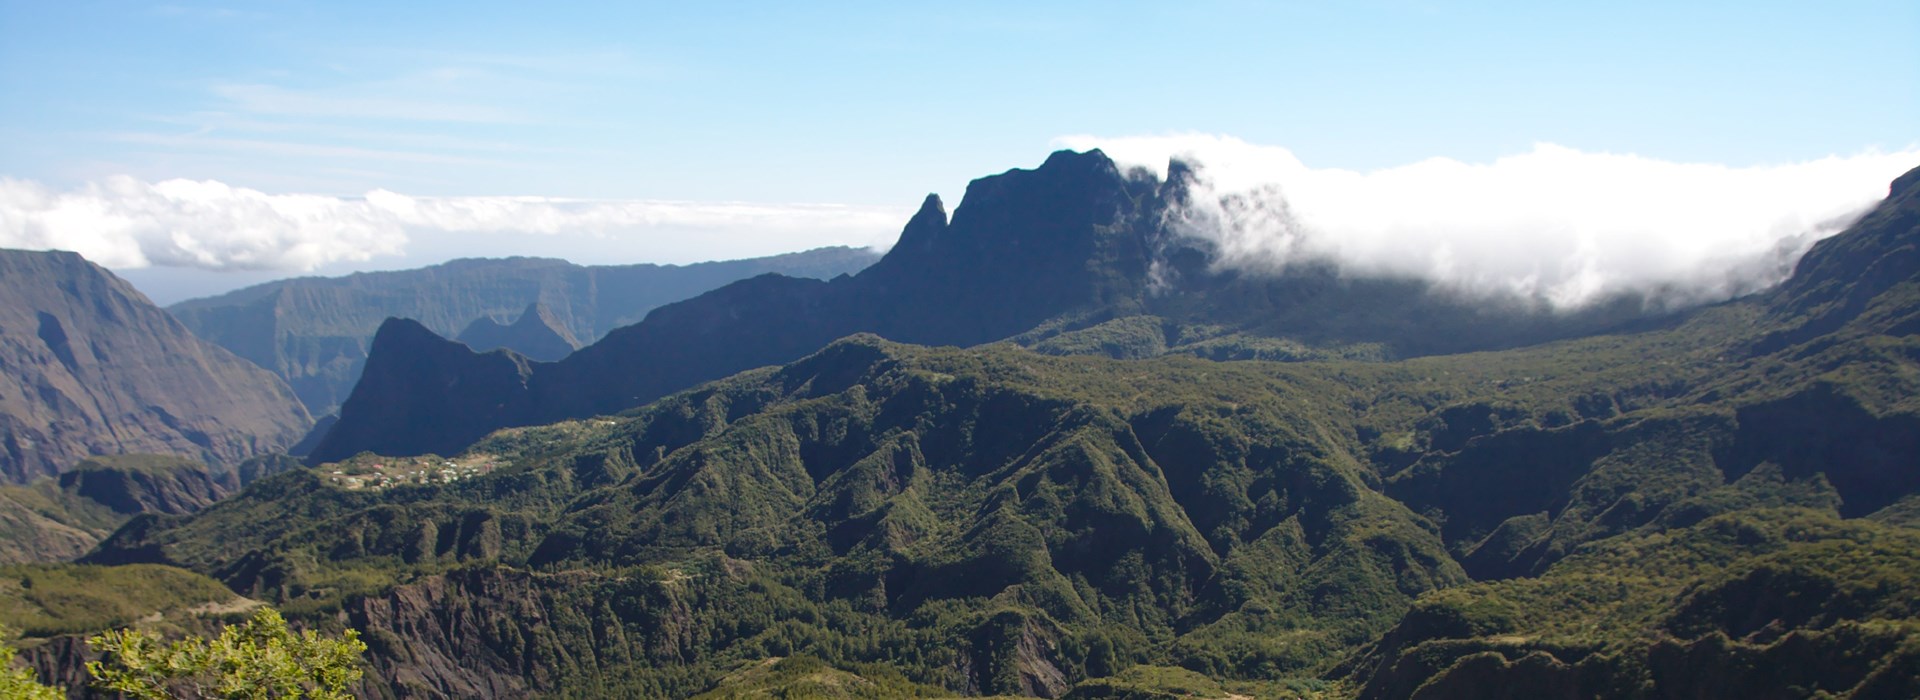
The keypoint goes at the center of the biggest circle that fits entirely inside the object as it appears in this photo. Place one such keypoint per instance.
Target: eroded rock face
(494, 633)
(89, 366)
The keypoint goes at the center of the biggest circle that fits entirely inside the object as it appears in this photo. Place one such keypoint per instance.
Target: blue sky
(871, 105)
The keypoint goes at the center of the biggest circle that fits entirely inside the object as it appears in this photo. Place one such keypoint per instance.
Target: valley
(924, 480)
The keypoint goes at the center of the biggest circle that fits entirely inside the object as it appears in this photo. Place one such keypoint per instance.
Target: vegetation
(59, 518)
(44, 600)
(1718, 503)
(997, 521)
(259, 658)
(19, 683)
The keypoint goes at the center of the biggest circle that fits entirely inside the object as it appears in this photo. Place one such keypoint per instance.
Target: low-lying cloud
(123, 223)
(1554, 224)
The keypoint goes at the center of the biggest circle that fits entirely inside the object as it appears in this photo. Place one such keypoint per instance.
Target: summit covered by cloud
(1555, 225)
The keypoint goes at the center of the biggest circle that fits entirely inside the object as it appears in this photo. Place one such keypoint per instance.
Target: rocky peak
(537, 334)
(473, 393)
(923, 230)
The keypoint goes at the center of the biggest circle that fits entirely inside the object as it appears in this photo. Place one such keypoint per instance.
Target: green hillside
(993, 520)
(59, 518)
(1713, 503)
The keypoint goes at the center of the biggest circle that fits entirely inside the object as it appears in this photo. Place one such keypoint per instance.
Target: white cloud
(1554, 224)
(123, 223)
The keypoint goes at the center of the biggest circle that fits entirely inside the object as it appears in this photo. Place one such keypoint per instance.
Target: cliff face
(1031, 245)
(470, 392)
(315, 332)
(89, 366)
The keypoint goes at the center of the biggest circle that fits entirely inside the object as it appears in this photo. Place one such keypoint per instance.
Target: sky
(199, 146)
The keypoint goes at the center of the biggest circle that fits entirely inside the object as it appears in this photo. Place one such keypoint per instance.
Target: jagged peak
(1090, 159)
(932, 206)
(925, 226)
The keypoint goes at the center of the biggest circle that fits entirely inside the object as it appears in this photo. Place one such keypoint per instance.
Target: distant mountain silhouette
(315, 331)
(536, 335)
(92, 367)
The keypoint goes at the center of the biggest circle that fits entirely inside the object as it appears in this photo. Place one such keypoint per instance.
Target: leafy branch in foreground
(259, 658)
(19, 683)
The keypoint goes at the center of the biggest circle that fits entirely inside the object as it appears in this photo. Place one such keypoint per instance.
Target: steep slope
(1074, 246)
(88, 366)
(536, 335)
(447, 420)
(60, 518)
(315, 332)
(1701, 550)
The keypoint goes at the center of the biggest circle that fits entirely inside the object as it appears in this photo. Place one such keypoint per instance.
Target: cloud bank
(126, 223)
(1554, 224)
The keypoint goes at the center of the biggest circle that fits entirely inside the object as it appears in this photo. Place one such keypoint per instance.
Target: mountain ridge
(1654, 512)
(1031, 255)
(92, 367)
(315, 331)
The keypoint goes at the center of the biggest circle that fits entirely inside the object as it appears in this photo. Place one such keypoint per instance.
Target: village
(374, 473)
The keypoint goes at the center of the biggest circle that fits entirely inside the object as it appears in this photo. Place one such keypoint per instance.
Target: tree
(259, 658)
(19, 683)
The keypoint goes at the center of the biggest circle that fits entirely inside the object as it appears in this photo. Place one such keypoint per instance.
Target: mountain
(536, 335)
(60, 518)
(88, 366)
(1074, 256)
(1721, 501)
(314, 332)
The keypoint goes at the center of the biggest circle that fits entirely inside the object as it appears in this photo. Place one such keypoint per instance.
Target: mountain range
(854, 488)
(1075, 256)
(314, 332)
(89, 366)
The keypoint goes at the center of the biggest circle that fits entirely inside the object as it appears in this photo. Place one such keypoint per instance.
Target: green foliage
(20, 683)
(260, 658)
(1149, 683)
(807, 678)
(1754, 583)
(60, 518)
(996, 520)
(44, 600)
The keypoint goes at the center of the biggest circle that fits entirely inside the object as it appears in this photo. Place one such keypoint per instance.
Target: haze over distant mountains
(88, 366)
(314, 332)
